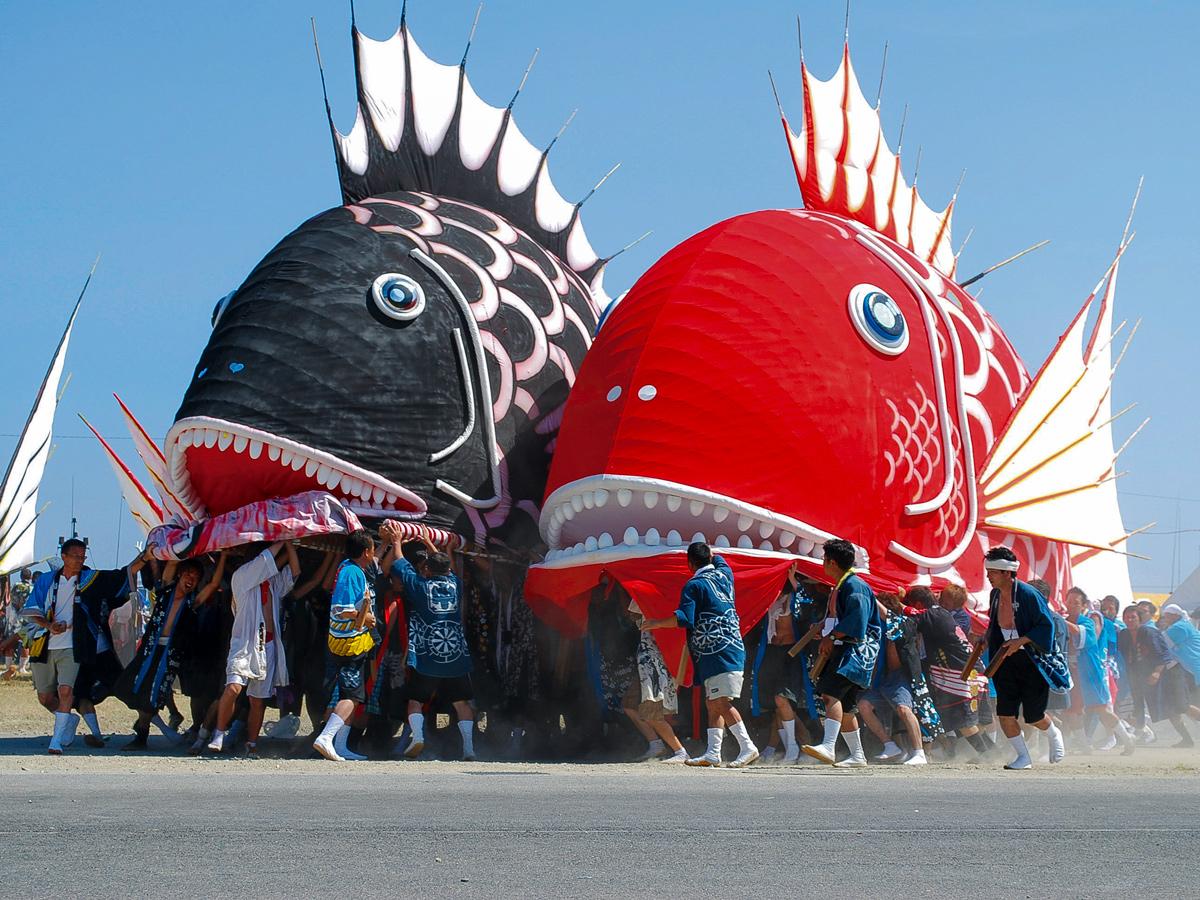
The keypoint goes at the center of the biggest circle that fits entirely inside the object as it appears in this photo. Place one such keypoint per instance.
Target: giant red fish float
(791, 375)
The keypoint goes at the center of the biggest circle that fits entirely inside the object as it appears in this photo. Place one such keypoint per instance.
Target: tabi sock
(788, 733)
(832, 729)
(332, 726)
(167, 730)
(1055, 737)
(1019, 745)
(93, 724)
(466, 727)
(738, 730)
(339, 745)
(854, 742)
(977, 741)
(715, 737)
(655, 746)
(416, 721)
(62, 721)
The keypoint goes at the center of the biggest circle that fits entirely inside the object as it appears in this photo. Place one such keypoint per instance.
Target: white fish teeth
(568, 511)
(674, 538)
(310, 467)
(674, 501)
(377, 494)
(591, 543)
(601, 498)
(299, 462)
(333, 479)
(224, 439)
(699, 538)
(322, 473)
(589, 500)
(577, 503)
(286, 457)
(391, 499)
(196, 438)
(744, 522)
(210, 437)
(557, 517)
(255, 449)
(695, 507)
(605, 540)
(806, 548)
(650, 498)
(765, 530)
(720, 514)
(273, 452)
(721, 541)
(786, 538)
(624, 497)
(745, 543)
(240, 442)
(631, 536)
(349, 484)
(766, 545)
(578, 548)
(653, 538)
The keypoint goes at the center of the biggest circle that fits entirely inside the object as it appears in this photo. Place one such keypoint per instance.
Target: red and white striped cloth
(950, 681)
(441, 538)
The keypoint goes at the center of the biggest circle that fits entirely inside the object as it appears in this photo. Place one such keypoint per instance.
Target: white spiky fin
(420, 126)
(152, 457)
(844, 166)
(146, 513)
(1051, 472)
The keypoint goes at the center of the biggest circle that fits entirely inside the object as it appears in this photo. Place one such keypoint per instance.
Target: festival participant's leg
(866, 708)
(225, 709)
(176, 718)
(51, 695)
(913, 728)
(826, 751)
(345, 676)
(258, 708)
(652, 713)
(629, 703)
(850, 732)
(1008, 705)
(141, 731)
(1114, 727)
(466, 727)
(787, 728)
(1034, 697)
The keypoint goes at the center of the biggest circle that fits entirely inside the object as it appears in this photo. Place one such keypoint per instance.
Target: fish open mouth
(606, 516)
(218, 465)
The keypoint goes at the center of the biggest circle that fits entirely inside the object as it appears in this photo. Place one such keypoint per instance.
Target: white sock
(339, 739)
(788, 733)
(332, 726)
(1018, 744)
(62, 721)
(466, 727)
(715, 737)
(832, 729)
(738, 730)
(218, 739)
(854, 741)
(416, 721)
(654, 746)
(93, 723)
(891, 749)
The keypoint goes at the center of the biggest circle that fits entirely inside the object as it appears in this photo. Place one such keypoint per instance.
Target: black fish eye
(398, 296)
(219, 309)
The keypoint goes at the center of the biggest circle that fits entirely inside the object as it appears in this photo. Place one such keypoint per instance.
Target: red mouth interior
(224, 480)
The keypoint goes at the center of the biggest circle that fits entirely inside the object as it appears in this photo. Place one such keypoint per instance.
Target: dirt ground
(25, 726)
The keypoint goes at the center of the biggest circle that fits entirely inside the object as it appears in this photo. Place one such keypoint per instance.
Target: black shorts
(1020, 687)
(96, 679)
(345, 677)
(831, 684)
(780, 675)
(424, 688)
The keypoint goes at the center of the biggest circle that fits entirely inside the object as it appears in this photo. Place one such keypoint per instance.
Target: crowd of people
(376, 639)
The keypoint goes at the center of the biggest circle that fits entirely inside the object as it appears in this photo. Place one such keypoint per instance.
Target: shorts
(958, 713)
(781, 675)
(1020, 688)
(832, 684)
(258, 688)
(726, 684)
(647, 710)
(424, 688)
(59, 668)
(893, 689)
(346, 676)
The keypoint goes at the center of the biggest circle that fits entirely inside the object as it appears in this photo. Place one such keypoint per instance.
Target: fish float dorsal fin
(146, 513)
(844, 166)
(420, 126)
(155, 462)
(1051, 471)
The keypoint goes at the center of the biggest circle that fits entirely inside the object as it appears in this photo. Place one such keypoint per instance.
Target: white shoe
(1058, 749)
(916, 758)
(791, 756)
(286, 728)
(820, 753)
(890, 751)
(679, 756)
(324, 746)
(1110, 744)
(653, 751)
(68, 737)
(767, 756)
(217, 744)
(851, 763)
(1146, 735)
(1021, 762)
(743, 759)
(704, 760)
(414, 749)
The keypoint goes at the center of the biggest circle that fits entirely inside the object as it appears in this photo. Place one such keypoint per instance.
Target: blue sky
(183, 141)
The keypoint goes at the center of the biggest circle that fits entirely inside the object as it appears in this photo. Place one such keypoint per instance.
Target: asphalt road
(490, 830)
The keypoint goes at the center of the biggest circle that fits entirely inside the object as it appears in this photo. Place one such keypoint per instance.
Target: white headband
(1174, 609)
(1001, 565)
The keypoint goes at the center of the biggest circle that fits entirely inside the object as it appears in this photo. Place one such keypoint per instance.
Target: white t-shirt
(64, 611)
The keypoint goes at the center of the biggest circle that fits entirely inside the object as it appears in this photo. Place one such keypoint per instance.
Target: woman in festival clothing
(146, 682)
(1158, 682)
(1090, 674)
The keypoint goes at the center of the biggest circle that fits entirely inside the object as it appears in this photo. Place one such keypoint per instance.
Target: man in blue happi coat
(714, 640)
